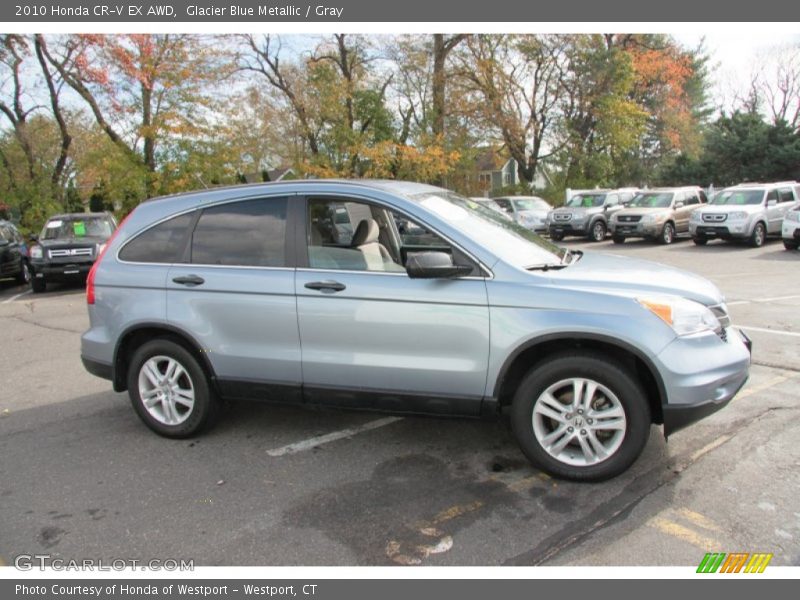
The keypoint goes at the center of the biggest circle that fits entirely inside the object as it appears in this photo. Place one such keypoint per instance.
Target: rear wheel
(758, 236)
(169, 389)
(789, 245)
(598, 232)
(24, 276)
(667, 235)
(700, 241)
(581, 417)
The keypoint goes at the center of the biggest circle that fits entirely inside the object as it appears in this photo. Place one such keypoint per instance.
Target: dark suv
(68, 246)
(13, 253)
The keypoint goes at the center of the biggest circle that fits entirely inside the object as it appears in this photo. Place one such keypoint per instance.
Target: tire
(616, 390)
(789, 245)
(24, 276)
(759, 235)
(180, 409)
(667, 235)
(699, 241)
(556, 237)
(618, 239)
(38, 285)
(598, 232)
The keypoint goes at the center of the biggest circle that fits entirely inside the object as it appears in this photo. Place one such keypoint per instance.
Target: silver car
(747, 212)
(790, 229)
(659, 214)
(529, 211)
(587, 214)
(250, 293)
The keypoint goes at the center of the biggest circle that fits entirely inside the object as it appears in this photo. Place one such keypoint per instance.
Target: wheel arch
(138, 334)
(537, 350)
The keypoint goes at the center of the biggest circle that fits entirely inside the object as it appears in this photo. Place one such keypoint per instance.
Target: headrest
(367, 232)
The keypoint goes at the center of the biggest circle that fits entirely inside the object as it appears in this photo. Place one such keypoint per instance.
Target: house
(494, 171)
(270, 175)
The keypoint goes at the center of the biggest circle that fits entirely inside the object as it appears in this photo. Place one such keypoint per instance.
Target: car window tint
(612, 199)
(772, 195)
(163, 243)
(250, 233)
(786, 195)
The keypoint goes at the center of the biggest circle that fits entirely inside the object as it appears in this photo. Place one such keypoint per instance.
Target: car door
(373, 337)
(773, 209)
(9, 252)
(234, 290)
(682, 213)
(786, 201)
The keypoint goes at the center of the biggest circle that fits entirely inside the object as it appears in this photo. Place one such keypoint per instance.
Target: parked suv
(68, 246)
(587, 214)
(249, 293)
(13, 253)
(529, 211)
(658, 214)
(749, 211)
(790, 230)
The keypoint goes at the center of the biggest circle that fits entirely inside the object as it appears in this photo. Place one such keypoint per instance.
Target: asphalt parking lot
(80, 476)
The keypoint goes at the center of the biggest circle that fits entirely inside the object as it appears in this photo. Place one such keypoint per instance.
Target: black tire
(667, 235)
(759, 235)
(623, 387)
(618, 239)
(597, 232)
(38, 284)
(700, 241)
(789, 245)
(556, 237)
(188, 421)
(24, 276)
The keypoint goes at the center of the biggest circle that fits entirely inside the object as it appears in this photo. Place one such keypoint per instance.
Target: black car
(13, 253)
(68, 246)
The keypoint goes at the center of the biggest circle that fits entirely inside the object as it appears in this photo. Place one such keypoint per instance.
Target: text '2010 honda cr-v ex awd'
(408, 298)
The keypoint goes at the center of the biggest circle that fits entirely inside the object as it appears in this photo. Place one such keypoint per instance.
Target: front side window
(249, 233)
(785, 195)
(356, 236)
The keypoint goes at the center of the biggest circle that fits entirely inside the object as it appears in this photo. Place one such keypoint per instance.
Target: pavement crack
(50, 327)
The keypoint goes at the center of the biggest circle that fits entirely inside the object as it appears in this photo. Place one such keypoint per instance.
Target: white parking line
(331, 437)
(9, 300)
(756, 300)
(775, 331)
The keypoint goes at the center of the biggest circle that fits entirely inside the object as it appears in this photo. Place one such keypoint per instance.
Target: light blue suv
(424, 302)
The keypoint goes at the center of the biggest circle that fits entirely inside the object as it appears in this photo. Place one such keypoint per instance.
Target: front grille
(629, 218)
(714, 217)
(562, 216)
(70, 252)
(721, 312)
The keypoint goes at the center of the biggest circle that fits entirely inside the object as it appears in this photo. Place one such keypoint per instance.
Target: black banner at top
(443, 11)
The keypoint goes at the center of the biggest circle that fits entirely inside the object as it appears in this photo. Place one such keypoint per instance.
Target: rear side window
(786, 195)
(251, 233)
(163, 243)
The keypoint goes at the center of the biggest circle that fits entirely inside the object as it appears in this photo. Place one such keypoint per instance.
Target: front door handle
(326, 286)
(189, 280)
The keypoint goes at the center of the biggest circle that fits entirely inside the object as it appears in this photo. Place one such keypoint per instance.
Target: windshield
(531, 204)
(586, 200)
(511, 242)
(652, 200)
(738, 197)
(76, 228)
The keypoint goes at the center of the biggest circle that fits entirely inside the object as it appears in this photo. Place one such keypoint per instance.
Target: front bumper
(60, 272)
(729, 231)
(702, 374)
(634, 229)
(790, 230)
(567, 228)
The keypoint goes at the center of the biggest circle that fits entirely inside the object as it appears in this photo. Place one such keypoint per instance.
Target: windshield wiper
(546, 267)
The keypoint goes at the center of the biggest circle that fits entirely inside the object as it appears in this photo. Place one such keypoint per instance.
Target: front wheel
(38, 285)
(169, 389)
(598, 232)
(667, 234)
(758, 236)
(618, 239)
(581, 417)
(700, 241)
(789, 245)
(556, 236)
(24, 276)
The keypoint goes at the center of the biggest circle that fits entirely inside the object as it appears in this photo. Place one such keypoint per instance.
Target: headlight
(696, 217)
(36, 252)
(98, 249)
(613, 218)
(684, 316)
(647, 219)
(737, 215)
(793, 215)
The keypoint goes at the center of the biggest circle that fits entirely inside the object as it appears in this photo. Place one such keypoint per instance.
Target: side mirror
(680, 204)
(434, 265)
(771, 202)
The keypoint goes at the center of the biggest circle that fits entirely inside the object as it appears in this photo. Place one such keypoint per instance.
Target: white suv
(749, 211)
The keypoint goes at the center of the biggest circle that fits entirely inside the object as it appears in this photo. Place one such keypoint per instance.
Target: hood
(579, 210)
(643, 210)
(598, 272)
(81, 242)
(729, 208)
(539, 213)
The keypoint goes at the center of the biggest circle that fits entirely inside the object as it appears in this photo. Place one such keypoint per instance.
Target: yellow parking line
(677, 530)
(763, 386)
(710, 446)
(455, 511)
(698, 519)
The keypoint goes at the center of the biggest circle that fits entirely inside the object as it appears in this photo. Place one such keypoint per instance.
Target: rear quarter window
(163, 243)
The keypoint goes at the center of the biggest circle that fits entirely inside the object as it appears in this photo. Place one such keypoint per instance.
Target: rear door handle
(189, 280)
(326, 286)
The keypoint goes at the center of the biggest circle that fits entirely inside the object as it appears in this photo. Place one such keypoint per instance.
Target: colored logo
(737, 562)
